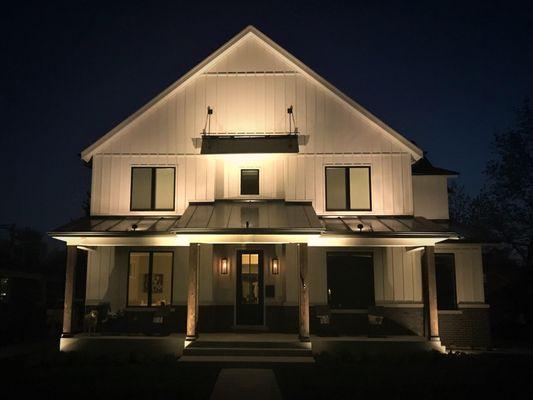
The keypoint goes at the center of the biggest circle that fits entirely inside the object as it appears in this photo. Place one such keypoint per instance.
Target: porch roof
(251, 217)
(386, 226)
(259, 216)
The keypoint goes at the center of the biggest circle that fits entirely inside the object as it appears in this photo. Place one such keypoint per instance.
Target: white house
(252, 194)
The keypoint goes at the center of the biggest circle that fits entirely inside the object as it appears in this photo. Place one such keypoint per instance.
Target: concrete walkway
(241, 383)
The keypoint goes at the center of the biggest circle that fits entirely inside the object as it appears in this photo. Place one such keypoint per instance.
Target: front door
(249, 301)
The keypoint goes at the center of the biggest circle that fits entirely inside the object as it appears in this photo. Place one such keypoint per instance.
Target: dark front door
(249, 302)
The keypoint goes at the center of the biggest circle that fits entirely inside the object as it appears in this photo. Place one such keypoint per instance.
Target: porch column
(192, 293)
(429, 286)
(304, 293)
(70, 276)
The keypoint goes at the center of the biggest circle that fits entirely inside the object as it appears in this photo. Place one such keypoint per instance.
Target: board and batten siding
(289, 177)
(397, 275)
(250, 89)
(251, 94)
(107, 275)
(430, 196)
(469, 276)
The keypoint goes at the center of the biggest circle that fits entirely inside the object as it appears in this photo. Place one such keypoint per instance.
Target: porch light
(275, 266)
(224, 266)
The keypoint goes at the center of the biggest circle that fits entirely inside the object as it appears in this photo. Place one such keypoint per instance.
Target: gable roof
(415, 152)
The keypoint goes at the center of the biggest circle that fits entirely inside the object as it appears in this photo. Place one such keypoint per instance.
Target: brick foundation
(467, 328)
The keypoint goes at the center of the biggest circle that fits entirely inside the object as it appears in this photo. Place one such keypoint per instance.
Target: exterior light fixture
(274, 268)
(224, 266)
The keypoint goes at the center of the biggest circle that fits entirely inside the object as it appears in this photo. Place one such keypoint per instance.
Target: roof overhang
(243, 144)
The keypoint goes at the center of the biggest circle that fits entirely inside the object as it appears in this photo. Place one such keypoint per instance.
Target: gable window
(348, 189)
(150, 279)
(445, 277)
(152, 188)
(249, 181)
(350, 280)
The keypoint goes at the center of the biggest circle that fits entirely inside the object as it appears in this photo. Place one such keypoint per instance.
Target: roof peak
(416, 152)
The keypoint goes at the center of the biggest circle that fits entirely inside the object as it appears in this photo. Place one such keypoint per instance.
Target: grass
(425, 376)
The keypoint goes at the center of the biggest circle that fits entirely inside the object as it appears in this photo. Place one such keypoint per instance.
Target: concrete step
(234, 351)
(249, 344)
(252, 351)
(247, 359)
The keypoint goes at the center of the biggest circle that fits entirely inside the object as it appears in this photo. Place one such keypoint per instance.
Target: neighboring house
(253, 194)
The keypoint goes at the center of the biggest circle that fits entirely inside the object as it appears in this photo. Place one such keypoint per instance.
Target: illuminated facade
(252, 194)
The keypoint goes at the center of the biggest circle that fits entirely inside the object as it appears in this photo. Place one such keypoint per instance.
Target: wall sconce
(224, 266)
(274, 269)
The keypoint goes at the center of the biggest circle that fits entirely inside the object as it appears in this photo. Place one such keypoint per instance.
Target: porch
(249, 347)
(227, 265)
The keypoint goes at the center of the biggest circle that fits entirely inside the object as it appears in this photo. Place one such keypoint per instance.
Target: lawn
(425, 376)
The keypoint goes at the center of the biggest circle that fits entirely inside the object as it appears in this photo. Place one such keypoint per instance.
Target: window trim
(153, 188)
(456, 307)
(258, 181)
(347, 187)
(150, 269)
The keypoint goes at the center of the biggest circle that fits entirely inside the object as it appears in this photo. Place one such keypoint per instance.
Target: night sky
(446, 76)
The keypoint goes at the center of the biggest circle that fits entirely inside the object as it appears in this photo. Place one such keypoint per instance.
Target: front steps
(248, 351)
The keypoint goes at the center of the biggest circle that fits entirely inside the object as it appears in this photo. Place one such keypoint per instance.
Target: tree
(86, 205)
(504, 206)
(459, 203)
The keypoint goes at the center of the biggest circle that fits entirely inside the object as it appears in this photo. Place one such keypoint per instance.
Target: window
(152, 188)
(350, 280)
(150, 279)
(249, 181)
(348, 189)
(445, 277)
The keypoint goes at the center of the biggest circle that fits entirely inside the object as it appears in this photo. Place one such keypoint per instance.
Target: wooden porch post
(70, 276)
(429, 285)
(192, 293)
(304, 293)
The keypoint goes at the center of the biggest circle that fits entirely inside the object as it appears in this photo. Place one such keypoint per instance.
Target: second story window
(152, 188)
(249, 181)
(348, 189)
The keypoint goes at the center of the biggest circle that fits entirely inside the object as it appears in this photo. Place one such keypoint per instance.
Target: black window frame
(347, 186)
(258, 182)
(153, 189)
(454, 282)
(372, 292)
(150, 270)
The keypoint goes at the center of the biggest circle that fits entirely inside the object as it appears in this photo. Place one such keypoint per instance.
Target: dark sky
(445, 74)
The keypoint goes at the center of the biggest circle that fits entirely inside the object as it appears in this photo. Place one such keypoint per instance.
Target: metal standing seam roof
(269, 217)
(117, 226)
(385, 226)
(255, 217)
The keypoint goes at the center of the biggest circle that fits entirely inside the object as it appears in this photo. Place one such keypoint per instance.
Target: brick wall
(468, 328)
